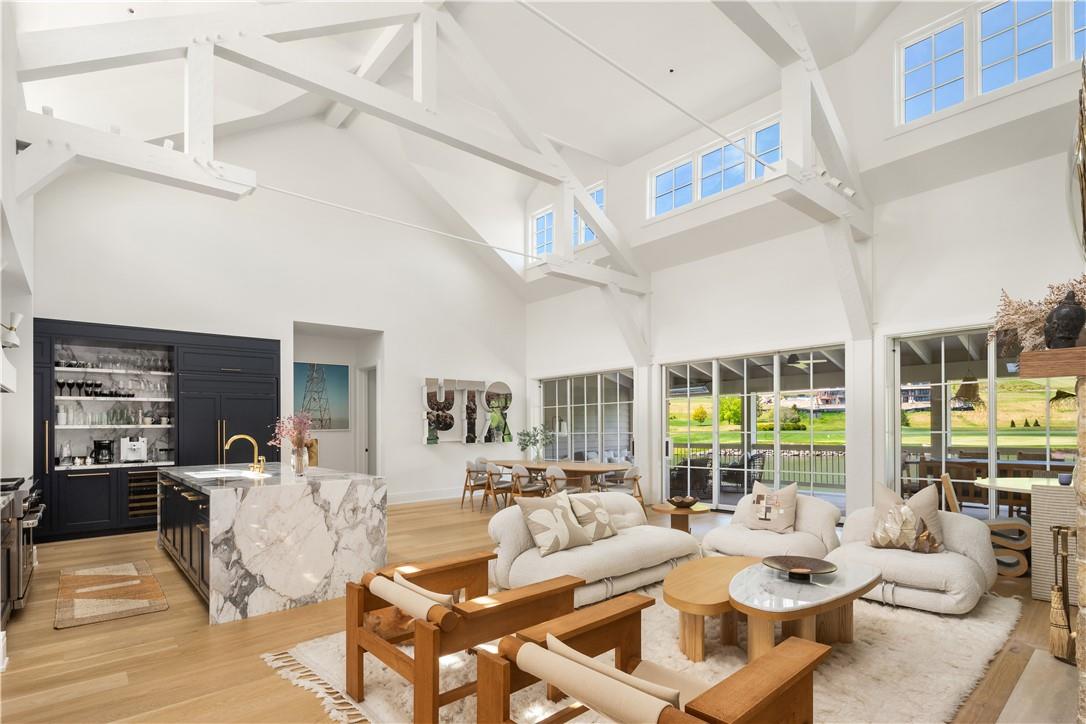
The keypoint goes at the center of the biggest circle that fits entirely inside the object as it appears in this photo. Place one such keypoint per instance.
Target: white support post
(859, 423)
(424, 59)
(563, 224)
(632, 330)
(390, 44)
(38, 166)
(200, 100)
(298, 68)
(844, 259)
(796, 139)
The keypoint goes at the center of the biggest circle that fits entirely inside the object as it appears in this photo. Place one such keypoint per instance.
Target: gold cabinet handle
(88, 475)
(229, 369)
(201, 527)
(190, 496)
(201, 507)
(45, 451)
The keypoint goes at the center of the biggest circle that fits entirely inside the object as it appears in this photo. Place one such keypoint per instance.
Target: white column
(859, 423)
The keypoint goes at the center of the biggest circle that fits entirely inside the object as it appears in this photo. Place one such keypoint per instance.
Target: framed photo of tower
(323, 392)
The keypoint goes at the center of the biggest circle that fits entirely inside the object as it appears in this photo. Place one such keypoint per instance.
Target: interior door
(253, 415)
(198, 435)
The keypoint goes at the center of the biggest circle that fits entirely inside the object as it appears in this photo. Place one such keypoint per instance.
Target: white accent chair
(641, 554)
(951, 581)
(814, 534)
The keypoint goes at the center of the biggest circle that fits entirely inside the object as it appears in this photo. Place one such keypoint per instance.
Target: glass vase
(299, 461)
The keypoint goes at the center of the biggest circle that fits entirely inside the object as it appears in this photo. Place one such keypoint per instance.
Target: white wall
(119, 250)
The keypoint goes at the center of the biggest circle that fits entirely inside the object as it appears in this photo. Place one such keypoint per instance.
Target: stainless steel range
(25, 513)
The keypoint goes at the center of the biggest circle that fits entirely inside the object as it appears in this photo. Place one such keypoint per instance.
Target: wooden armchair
(630, 481)
(496, 484)
(437, 624)
(778, 687)
(524, 486)
(556, 479)
(1011, 537)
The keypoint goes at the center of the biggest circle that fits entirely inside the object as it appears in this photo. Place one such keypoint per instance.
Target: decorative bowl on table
(682, 501)
(799, 568)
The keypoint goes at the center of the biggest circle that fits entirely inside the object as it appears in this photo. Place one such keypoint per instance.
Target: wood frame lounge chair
(439, 627)
(778, 687)
(1011, 537)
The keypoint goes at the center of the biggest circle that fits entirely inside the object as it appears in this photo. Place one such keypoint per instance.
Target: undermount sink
(225, 473)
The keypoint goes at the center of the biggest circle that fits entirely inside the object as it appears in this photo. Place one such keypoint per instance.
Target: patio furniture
(814, 533)
(525, 486)
(743, 471)
(437, 625)
(474, 479)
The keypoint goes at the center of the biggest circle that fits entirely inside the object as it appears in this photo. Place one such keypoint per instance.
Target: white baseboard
(3, 650)
(420, 496)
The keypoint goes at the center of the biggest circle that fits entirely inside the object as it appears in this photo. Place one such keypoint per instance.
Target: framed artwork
(323, 392)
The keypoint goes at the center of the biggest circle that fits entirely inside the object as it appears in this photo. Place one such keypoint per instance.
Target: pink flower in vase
(293, 430)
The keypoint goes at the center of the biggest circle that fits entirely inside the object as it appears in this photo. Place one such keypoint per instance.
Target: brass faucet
(257, 466)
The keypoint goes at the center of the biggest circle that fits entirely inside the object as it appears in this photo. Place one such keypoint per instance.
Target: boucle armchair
(951, 581)
(639, 555)
(814, 533)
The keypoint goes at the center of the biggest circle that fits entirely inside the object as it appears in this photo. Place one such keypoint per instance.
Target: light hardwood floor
(171, 666)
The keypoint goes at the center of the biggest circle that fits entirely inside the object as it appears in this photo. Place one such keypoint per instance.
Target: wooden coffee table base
(832, 627)
(692, 633)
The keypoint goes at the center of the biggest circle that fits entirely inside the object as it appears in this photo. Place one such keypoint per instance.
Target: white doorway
(368, 427)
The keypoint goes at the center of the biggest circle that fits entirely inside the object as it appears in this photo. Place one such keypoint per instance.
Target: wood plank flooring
(173, 667)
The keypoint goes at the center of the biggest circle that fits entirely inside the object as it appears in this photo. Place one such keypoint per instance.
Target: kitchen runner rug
(105, 592)
(875, 679)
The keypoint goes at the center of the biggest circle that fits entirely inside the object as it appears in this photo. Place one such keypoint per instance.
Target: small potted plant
(534, 439)
(294, 431)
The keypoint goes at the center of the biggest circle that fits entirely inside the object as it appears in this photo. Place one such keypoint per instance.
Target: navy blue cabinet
(43, 436)
(86, 501)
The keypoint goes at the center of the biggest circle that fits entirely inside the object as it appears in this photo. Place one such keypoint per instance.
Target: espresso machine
(133, 449)
(103, 452)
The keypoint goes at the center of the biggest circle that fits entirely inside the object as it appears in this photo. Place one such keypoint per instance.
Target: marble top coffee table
(817, 610)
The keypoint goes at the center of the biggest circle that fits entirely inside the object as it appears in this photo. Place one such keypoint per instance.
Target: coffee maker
(133, 449)
(103, 452)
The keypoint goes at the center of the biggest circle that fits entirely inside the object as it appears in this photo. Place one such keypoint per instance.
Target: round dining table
(583, 470)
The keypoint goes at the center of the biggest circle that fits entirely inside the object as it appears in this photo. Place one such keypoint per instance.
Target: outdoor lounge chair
(437, 625)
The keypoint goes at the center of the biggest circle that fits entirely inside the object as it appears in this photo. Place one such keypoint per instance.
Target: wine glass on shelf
(60, 387)
(98, 388)
(70, 384)
(79, 387)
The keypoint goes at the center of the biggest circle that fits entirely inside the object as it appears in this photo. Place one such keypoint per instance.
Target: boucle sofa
(814, 534)
(951, 581)
(641, 554)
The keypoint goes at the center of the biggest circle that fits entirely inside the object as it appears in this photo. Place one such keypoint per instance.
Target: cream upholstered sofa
(641, 554)
(951, 581)
(814, 533)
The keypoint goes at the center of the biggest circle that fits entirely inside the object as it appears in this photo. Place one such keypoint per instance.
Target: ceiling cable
(400, 222)
(614, 64)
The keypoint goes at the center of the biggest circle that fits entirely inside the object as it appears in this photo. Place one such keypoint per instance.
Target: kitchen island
(255, 543)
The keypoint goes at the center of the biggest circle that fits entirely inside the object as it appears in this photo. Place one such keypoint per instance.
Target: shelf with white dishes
(112, 427)
(110, 371)
(113, 399)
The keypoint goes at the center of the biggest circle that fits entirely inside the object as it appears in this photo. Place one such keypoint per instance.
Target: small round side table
(680, 517)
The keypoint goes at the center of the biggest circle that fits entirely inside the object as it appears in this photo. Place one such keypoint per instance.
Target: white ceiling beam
(632, 331)
(38, 166)
(775, 28)
(136, 158)
(921, 349)
(593, 275)
(836, 356)
(476, 68)
(389, 45)
(293, 66)
(844, 261)
(64, 51)
(971, 346)
(728, 365)
(811, 196)
(200, 100)
(424, 59)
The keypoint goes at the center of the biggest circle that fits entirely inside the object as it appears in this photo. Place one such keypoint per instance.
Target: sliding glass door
(689, 410)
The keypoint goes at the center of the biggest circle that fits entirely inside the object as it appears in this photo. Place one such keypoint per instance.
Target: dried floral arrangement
(1023, 320)
(294, 430)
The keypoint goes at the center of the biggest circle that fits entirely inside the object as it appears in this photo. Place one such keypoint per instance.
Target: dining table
(583, 470)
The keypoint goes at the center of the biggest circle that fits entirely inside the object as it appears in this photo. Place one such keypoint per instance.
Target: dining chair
(524, 485)
(474, 479)
(496, 484)
(630, 482)
(556, 479)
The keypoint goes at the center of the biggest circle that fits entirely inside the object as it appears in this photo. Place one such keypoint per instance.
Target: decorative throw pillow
(593, 517)
(445, 599)
(552, 523)
(901, 527)
(925, 504)
(771, 509)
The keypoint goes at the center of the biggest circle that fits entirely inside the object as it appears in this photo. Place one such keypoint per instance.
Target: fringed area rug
(106, 592)
(905, 666)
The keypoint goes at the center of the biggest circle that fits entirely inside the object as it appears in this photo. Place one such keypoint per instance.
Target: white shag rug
(905, 666)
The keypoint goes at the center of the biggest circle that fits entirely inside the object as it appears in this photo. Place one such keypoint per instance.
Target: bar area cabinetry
(113, 405)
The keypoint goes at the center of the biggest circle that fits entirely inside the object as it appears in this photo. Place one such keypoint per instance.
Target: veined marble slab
(292, 541)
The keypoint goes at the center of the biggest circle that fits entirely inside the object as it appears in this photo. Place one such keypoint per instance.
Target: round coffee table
(697, 589)
(680, 517)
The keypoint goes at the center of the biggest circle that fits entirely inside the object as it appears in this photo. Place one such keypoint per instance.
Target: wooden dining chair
(525, 486)
(496, 484)
(630, 481)
(1011, 537)
(474, 479)
(437, 624)
(556, 479)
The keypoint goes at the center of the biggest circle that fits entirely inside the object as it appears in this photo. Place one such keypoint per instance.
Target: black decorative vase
(1064, 323)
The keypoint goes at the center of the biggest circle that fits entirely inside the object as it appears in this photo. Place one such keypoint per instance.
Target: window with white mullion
(673, 188)
(582, 233)
(1015, 42)
(543, 233)
(722, 168)
(1078, 28)
(767, 147)
(933, 72)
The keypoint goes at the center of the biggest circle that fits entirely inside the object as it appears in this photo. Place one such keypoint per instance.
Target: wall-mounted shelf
(112, 466)
(109, 371)
(115, 399)
(112, 427)
(1069, 362)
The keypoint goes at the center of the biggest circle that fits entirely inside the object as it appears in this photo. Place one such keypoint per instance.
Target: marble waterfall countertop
(281, 541)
